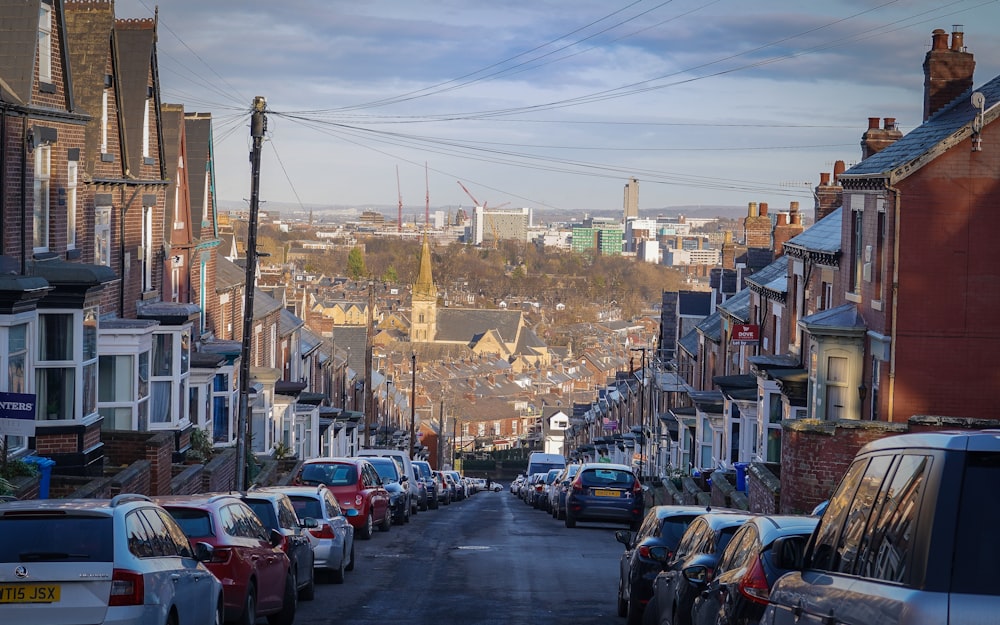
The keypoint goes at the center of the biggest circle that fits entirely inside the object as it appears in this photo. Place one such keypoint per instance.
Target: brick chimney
(829, 195)
(757, 226)
(877, 139)
(788, 227)
(947, 70)
(728, 251)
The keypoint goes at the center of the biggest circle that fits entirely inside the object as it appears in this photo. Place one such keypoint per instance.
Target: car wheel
(570, 521)
(447, 501)
(407, 512)
(387, 521)
(622, 604)
(308, 592)
(424, 507)
(171, 619)
(365, 531)
(249, 616)
(350, 565)
(433, 503)
(288, 606)
(338, 573)
(220, 611)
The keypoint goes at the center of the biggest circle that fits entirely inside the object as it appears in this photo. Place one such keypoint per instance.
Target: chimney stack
(877, 139)
(829, 196)
(788, 227)
(947, 70)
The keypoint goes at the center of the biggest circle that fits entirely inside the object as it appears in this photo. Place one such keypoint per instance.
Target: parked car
(405, 469)
(333, 537)
(461, 488)
(399, 494)
(255, 573)
(663, 526)
(605, 492)
(426, 475)
(357, 486)
(530, 488)
(541, 497)
(557, 494)
(689, 567)
(275, 511)
(420, 503)
(515, 485)
(909, 538)
(738, 591)
(496, 487)
(446, 490)
(121, 560)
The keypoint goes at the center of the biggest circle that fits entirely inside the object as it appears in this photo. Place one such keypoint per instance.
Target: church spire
(424, 287)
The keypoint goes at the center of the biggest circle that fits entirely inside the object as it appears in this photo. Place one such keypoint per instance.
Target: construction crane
(487, 216)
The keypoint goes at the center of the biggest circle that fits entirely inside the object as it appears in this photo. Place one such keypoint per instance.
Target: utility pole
(258, 126)
(369, 404)
(413, 405)
(441, 436)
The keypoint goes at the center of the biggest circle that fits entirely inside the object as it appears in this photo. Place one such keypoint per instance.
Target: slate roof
(289, 322)
(89, 28)
(228, 275)
(198, 129)
(461, 324)
(823, 236)
(689, 342)
(896, 161)
(842, 318)
(18, 39)
(309, 341)
(264, 304)
(738, 306)
(351, 340)
(134, 46)
(774, 277)
(711, 327)
(694, 303)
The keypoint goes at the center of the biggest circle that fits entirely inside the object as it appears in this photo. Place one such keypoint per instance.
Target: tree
(390, 275)
(356, 264)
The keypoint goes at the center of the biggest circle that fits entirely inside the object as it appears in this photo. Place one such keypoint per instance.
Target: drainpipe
(4, 110)
(24, 195)
(897, 194)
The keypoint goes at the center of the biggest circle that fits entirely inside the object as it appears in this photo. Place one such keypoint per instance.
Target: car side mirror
(697, 574)
(308, 522)
(276, 538)
(660, 553)
(624, 537)
(203, 552)
(788, 552)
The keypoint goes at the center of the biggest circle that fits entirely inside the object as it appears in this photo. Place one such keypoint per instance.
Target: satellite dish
(978, 100)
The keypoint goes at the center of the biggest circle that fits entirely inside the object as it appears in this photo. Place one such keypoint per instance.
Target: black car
(276, 512)
(689, 568)
(426, 475)
(663, 526)
(399, 494)
(747, 568)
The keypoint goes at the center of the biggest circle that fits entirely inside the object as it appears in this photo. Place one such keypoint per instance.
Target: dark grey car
(909, 538)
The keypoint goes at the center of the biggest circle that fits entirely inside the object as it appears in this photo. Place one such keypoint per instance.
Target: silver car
(122, 560)
(333, 539)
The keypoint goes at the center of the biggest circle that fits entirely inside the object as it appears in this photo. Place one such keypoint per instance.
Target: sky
(550, 104)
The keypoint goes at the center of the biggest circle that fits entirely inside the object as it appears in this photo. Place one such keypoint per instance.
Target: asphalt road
(487, 560)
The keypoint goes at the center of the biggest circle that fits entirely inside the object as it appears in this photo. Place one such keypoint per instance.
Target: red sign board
(746, 333)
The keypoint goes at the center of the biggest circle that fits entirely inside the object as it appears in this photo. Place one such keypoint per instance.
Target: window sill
(853, 297)
(876, 305)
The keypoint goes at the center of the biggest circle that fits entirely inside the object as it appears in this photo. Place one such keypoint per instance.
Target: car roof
(337, 460)
(663, 512)
(719, 520)
(198, 500)
(294, 490)
(606, 465)
(105, 507)
(770, 527)
(967, 440)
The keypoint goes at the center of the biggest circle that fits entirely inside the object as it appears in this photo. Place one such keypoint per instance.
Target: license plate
(606, 493)
(29, 593)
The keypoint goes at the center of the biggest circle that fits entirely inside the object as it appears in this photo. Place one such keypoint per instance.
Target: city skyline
(704, 103)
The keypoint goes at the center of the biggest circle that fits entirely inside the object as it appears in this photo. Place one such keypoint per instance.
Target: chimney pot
(763, 209)
(824, 179)
(782, 219)
(838, 168)
(752, 209)
(890, 123)
(939, 39)
(873, 123)
(957, 38)
(793, 207)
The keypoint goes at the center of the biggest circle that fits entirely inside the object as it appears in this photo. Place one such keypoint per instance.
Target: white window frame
(45, 42)
(102, 235)
(145, 128)
(176, 379)
(72, 177)
(42, 197)
(81, 366)
(105, 119)
(147, 248)
(17, 360)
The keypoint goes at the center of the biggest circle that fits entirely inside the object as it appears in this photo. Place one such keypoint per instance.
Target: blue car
(605, 492)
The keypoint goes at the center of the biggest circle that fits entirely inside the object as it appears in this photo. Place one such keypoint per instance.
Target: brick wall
(815, 455)
(764, 487)
(157, 448)
(220, 473)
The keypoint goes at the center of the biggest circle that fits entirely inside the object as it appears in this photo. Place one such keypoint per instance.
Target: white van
(539, 462)
(402, 460)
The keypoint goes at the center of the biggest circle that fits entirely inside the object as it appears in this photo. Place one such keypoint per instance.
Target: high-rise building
(631, 203)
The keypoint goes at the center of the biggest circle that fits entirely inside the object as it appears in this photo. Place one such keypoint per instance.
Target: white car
(122, 560)
(333, 539)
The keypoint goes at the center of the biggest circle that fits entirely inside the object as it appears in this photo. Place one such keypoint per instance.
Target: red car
(248, 559)
(356, 485)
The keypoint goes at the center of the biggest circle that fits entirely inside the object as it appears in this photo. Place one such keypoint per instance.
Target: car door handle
(797, 610)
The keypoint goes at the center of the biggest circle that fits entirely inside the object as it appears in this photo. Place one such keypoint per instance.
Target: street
(488, 559)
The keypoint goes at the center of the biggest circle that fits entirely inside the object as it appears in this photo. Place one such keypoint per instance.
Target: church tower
(423, 320)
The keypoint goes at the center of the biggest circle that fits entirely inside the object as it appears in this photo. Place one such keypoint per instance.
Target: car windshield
(386, 469)
(330, 474)
(607, 477)
(265, 512)
(194, 523)
(66, 538)
(306, 507)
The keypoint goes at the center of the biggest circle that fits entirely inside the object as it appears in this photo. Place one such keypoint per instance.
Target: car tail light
(323, 531)
(754, 586)
(221, 555)
(637, 487)
(127, 588)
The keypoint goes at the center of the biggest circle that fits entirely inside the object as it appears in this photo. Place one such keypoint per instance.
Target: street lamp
(413, 405)
(388, 411)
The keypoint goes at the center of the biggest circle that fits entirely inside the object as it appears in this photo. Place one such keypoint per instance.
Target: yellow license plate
(606, 493)
(29, 593)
